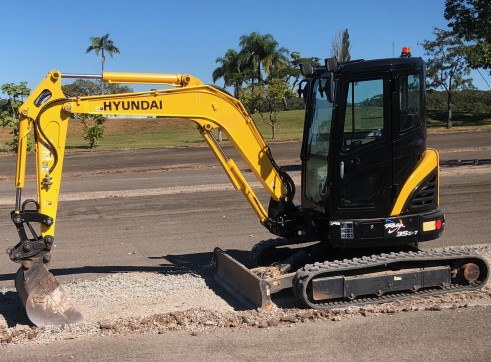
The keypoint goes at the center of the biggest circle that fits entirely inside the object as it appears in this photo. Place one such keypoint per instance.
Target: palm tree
(102, 44)
(230, 71)
(262, 50)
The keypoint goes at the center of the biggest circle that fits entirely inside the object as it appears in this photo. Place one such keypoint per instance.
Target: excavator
(369, 192)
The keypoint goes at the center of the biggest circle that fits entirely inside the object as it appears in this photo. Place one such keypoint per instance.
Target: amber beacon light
(406, 52)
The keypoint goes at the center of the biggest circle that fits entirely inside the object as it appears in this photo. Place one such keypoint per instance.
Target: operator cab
(364, 135)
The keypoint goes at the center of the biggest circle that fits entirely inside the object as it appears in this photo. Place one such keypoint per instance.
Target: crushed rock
(139, 303)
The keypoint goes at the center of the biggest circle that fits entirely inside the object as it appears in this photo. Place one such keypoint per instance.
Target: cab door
(362, 167)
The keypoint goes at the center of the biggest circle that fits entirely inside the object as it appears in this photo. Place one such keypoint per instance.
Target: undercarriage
(347, 277)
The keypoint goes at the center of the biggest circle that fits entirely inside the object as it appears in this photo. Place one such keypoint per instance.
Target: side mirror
(306, 69)
(331, 64)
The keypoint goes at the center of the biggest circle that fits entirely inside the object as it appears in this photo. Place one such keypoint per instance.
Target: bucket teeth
(45, 301)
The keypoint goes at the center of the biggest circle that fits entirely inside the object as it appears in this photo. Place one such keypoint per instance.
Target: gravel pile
(129, 303)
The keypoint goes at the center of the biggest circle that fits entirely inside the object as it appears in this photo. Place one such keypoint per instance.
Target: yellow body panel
(428, 163)
(204, 105)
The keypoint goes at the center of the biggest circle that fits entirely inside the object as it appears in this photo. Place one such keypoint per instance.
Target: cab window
(364, 118)
(409, 102)
(318, 146)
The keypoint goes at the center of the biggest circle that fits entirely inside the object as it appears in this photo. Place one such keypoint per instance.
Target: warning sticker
(46, 154)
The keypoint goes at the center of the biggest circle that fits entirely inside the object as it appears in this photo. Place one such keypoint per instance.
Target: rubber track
(307, 273)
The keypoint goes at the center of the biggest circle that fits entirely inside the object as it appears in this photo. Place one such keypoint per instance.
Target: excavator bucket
(43, 297)
(242, 283)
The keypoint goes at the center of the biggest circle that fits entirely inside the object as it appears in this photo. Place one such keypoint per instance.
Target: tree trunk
(449, 110)
(273, 130)
(103, 60)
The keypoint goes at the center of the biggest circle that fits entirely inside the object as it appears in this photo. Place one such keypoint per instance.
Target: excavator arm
(47, 112)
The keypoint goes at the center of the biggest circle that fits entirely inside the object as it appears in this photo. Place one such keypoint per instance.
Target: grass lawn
(153, 133)
(460, 120)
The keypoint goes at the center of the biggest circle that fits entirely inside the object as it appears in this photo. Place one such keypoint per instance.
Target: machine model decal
(407, 233)
(392, 227)
(395, 227)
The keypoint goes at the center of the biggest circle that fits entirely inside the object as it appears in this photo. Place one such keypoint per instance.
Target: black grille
(425, 196)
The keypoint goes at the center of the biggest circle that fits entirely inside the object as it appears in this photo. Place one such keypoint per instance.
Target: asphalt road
(450, 336)
(452, 146)
(146, 227)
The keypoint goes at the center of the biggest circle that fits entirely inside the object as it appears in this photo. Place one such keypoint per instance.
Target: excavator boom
(47, 111)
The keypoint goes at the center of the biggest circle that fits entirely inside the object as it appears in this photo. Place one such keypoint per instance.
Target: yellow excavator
(369, 193)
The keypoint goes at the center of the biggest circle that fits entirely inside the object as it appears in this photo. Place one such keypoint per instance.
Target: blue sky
(187, 36)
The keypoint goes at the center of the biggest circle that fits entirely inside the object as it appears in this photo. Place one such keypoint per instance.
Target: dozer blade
(241, 282)
(43, 297)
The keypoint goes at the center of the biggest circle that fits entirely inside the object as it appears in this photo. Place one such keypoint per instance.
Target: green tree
(262, 75)
(102, 45)
(93, 127)
(447, 66)
(291, 74)
(271, 98)
(230, 70)
(253, 98)
(471, 20)
(277, 94)
(85, 87)
(340, 46)
(9, 111)
(258, 50)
